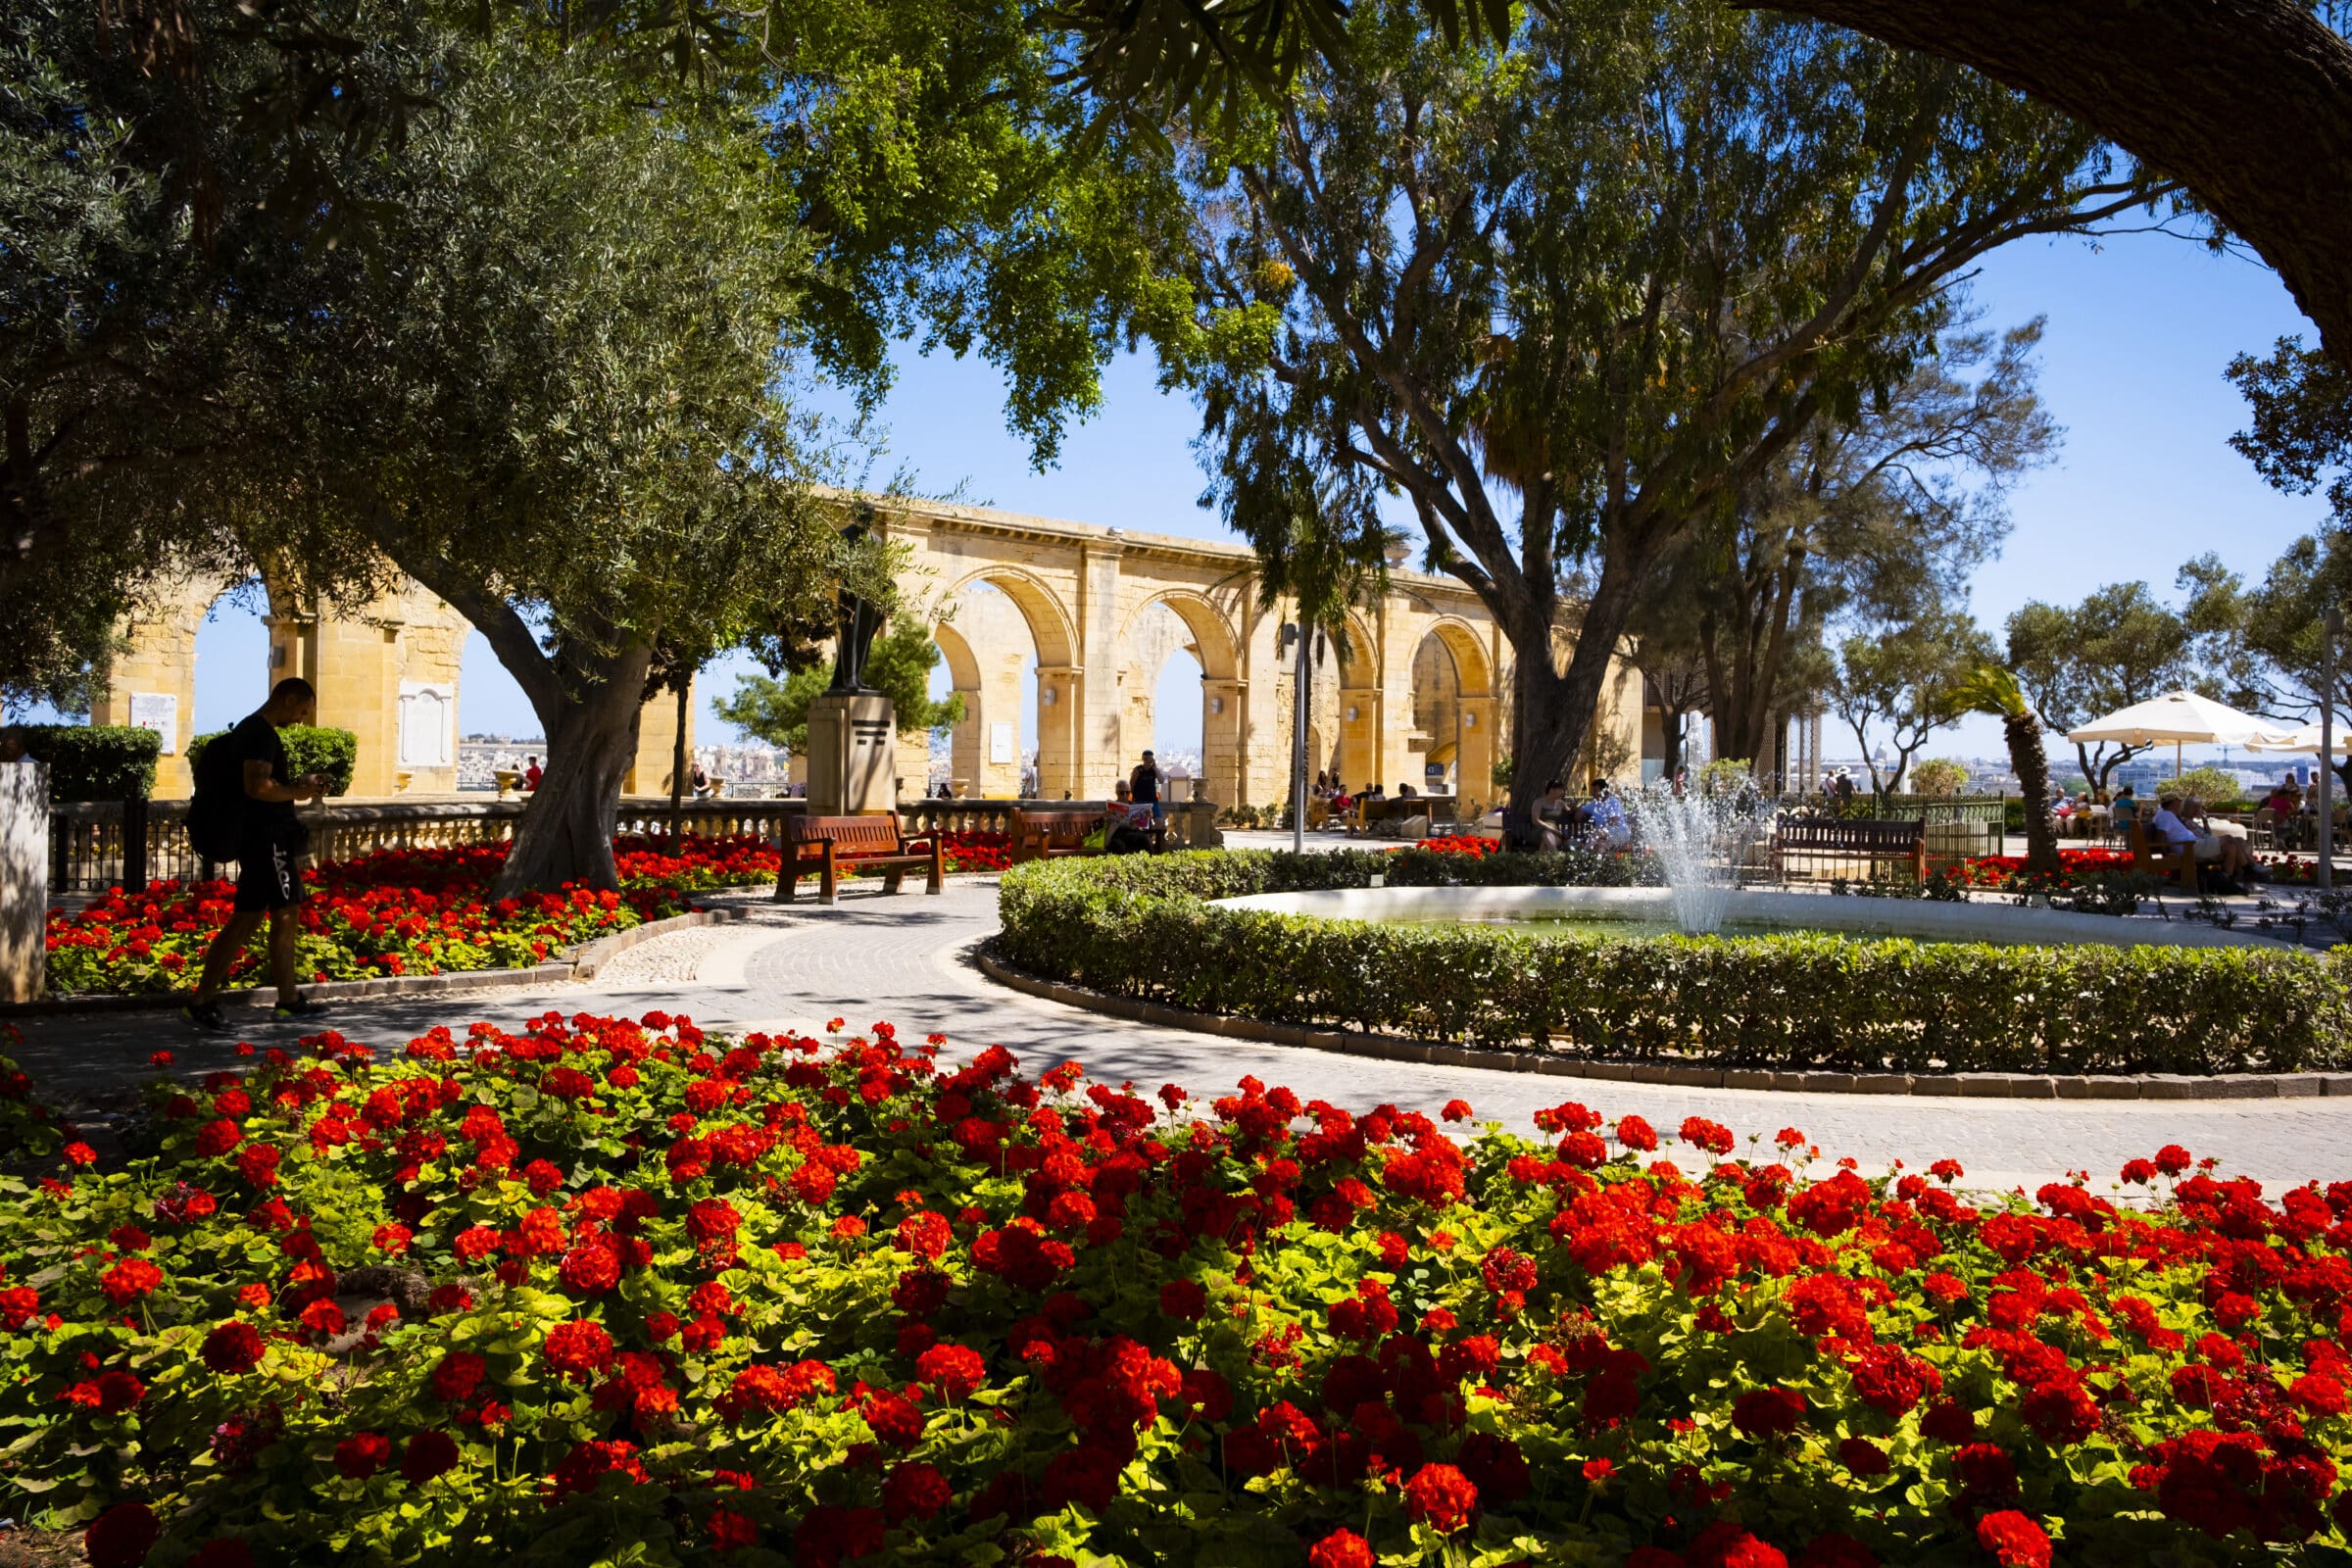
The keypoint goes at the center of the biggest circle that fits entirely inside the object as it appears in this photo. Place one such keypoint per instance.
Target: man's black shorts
(269, 873)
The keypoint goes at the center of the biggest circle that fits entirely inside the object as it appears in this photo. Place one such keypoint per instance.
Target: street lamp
(2331, 626)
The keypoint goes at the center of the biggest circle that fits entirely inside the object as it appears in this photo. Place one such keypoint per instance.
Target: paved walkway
(903, 958)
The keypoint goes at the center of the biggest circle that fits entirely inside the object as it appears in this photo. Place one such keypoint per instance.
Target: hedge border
(1767, 1009)
(1437, 1054)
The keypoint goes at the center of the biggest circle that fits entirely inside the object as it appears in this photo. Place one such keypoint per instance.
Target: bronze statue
(859, 619)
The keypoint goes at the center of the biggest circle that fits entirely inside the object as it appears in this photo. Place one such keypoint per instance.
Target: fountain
(1697, 841)
(1701, 843)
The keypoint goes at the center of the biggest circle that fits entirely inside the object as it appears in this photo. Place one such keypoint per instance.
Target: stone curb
(580, 964)
(1391, 1048)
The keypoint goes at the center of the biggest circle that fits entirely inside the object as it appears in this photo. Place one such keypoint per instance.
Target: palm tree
(1991, 689)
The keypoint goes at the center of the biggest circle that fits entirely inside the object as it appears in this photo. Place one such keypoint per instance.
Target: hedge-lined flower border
(1146, 928)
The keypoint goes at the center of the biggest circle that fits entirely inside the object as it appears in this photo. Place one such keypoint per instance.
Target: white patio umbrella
(2181, 717)
(2304, 741)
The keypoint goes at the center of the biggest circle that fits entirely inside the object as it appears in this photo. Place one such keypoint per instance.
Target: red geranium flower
(2014, 1540)
(233, 1347)
(1441, 1496)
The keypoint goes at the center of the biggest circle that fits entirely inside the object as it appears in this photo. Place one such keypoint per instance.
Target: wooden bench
(821, 843)
(1040, 835)
(1372, 815)
(2176, 865)
(1850, 838)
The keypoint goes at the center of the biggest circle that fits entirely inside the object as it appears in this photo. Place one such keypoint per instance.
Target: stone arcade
(1422, 696)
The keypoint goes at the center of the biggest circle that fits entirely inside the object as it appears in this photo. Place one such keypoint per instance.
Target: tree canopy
(1572, 296)
(2078, 662)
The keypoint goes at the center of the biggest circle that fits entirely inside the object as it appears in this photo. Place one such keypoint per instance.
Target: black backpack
(216, 813)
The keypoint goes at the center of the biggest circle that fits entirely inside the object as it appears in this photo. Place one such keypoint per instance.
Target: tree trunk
(2249, 102)
(2032, 764)
(1551, 713)
(566, 832)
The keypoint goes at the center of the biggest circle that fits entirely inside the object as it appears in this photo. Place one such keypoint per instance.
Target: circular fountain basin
(1593, 912)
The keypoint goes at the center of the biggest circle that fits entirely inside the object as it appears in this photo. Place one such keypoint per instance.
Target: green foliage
(1907, 676)
(2208, 786)
(1445, 272)
(899, 666)
(2118, 647)
(310, 749)
(1725, 775)
(1939, 777)
(1143, 928)
(96, 761)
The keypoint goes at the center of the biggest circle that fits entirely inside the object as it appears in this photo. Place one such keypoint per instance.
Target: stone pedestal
(23, 877)
(852, 755)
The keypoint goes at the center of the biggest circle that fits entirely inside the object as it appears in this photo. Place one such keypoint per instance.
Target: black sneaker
(301, 1011)
(207, 1017)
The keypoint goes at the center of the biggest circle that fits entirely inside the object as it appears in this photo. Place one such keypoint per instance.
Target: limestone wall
(1099, 609)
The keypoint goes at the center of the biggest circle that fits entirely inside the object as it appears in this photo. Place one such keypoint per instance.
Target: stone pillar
(1101, 757)
(656, 745)
(24, 878)
(1060, 700)
(153, 681)
(997, 739)
(851, 749)
(1473, 756)
(1222, 703)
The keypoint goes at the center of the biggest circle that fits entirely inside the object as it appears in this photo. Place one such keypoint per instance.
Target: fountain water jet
(1698, 840)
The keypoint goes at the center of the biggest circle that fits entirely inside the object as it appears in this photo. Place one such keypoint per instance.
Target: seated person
(2286, 798)
(1126, 825)
(1554, 816)
(2170, 827)
(2223, 845)
(1604, 817)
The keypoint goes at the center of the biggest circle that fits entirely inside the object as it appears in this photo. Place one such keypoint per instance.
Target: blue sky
(2139, 330)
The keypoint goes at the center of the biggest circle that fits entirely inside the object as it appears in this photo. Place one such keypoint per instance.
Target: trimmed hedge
(96, 761)
(310, 749)
(1141, 926)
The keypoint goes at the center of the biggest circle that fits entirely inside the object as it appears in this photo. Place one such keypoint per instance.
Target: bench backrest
(1073, 825)
(1857, 833)
(852, 833)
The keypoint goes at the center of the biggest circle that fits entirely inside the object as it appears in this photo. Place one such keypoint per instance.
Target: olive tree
(1572, 293)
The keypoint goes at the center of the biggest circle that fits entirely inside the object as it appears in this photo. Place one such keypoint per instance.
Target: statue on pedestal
(859, 618)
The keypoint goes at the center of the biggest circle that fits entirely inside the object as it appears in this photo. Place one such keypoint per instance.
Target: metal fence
(97, 845)
(1958, 828)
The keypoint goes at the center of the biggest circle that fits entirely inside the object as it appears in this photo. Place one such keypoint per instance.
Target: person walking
(1143, 787)
(271, 840)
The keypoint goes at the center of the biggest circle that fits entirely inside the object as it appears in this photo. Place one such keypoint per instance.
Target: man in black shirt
(1143, 786)
(270, 841)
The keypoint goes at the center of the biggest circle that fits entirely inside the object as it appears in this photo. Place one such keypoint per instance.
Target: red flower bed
(634, 1284)
(2001, 870)
(1461, 844)
(415, 912)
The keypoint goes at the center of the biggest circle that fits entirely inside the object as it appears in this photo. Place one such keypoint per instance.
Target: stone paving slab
(905, 959)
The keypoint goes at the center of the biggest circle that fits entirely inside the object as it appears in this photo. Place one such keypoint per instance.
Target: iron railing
(94, 844)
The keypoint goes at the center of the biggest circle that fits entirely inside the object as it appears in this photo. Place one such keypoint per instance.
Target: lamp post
(2331, 626)
(1299, 635)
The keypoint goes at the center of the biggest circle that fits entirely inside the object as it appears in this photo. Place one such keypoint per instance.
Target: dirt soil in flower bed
(521, 1297)
(413, 912)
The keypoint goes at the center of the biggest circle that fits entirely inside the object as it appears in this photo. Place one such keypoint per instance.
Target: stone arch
(1452, 709)
(1216, 647)
(1053, 634)
(1362, 672)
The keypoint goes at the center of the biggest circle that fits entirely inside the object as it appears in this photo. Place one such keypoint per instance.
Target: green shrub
(310, 749)
(96, 761)
(1141, 926)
